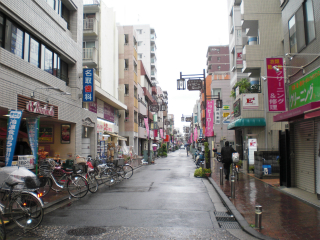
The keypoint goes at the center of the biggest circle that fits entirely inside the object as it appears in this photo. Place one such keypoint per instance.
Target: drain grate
(86, 231)
(222, 214)
(229, 225)
(226, 219)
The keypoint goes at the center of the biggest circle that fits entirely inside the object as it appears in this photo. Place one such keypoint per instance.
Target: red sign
(167, 139)
(276, 88)
(209, 118)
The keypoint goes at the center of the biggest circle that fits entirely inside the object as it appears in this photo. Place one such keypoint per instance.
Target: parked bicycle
(90, 176)
(76, 184)
(23, 207)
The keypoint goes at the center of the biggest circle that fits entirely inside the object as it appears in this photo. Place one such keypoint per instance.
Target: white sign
(26, 161)
(252, 146)
(104, 126)
(36, 108)
(250, 101)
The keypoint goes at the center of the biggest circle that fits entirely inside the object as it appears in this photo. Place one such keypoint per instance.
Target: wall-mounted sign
(154, 108)
(225, 114)
(226, 107)
(88, 85)
(194, 85)
(250, 101)
(35, 107)
(276, 88)
(237, 108)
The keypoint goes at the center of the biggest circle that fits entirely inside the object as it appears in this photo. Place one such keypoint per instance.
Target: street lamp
(291, 55)
(181, 84)
(277, 68)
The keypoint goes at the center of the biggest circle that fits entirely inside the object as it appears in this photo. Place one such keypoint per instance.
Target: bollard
(221, 176)
(233, 187)
(258, 214)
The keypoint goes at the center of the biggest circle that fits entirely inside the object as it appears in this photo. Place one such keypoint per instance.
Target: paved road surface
(160, 201)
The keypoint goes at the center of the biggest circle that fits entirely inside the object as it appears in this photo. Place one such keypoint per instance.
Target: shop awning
(297, 113)
(247, 122)
(116, 135)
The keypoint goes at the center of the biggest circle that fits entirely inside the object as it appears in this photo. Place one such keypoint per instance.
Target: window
(126, 89)
(140, 43)
(139, 31)
(135, 92)
(1, 29)
(65, 14)
(140, 55)
(14, 39)
(126, 39)
(216, 91)
(126, 64)
(219, 67)
(218, 59)
(301, 27)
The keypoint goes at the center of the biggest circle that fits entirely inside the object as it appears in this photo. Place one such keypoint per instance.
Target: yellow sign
(226, 107)
(226, 114)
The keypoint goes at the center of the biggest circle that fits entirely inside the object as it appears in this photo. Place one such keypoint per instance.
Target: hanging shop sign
(88, 85)
(188, 119)
(250, 101)
(12, 135)
(209, 118)
(276, 87)
(237, 108)
(37, 107)
(193, 85)
(154, 108)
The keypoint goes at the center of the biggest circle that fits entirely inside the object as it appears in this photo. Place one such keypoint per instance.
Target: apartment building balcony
(251, 56)
(135, 77)
(90, 27)
(142, 108)
(147, 94)
(153, 63)
(90, 57)
(152, 39)
(135, 54)
(154, 91)
(153, 51)
(142, 132)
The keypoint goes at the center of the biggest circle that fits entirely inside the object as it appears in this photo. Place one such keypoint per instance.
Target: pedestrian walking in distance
(226, 158)
(187, 150)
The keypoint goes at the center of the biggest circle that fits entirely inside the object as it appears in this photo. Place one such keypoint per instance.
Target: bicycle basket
(31, 182)
(79, 168)
(45, 168)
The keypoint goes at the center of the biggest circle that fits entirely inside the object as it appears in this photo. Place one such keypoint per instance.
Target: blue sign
(201, 134)
(12, 135)
(88, 84)
(33, 132)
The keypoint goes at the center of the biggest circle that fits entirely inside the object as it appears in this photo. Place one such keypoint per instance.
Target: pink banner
(147, 126)
(161, 133)
(209, 118)
(276, 88)
(191, 137)
(195, 134)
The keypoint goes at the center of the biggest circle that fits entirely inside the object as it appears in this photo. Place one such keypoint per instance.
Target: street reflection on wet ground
(283, 217)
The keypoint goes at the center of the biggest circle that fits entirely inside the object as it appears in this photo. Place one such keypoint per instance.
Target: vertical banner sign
(12, 134)
(276, 88)
(195, 134)
(147, 126)
(88, 83)
(209, 118)
(161, 132)
(32, 127)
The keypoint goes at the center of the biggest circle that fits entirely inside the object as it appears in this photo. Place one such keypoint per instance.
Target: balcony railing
(89, 55)
(90, 27)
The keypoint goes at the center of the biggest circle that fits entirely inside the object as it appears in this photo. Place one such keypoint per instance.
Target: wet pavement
(283, 217)
(160, 201)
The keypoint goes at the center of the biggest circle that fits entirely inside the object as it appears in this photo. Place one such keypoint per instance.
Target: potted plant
(251, 168)
(207, 172)
(200, 172)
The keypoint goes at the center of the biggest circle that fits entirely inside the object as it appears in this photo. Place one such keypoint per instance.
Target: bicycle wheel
(26, 211)
(128, 171)
(77, 186)
(92, 181)
(111, 176)
(120, 171)
(47, 186)
(2, 228)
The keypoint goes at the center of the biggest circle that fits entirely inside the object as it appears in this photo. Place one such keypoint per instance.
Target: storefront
(39, 130)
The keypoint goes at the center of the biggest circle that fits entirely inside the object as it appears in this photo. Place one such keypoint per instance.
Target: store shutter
(304, 150)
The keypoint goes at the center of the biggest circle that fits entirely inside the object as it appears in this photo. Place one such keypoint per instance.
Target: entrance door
(284, 151)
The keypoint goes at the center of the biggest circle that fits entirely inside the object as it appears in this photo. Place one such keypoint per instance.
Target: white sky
(184, 31)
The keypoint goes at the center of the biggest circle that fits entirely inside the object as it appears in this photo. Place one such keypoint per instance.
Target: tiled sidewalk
(284, 217)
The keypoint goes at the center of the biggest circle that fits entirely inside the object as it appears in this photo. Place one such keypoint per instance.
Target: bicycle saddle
(12, 184)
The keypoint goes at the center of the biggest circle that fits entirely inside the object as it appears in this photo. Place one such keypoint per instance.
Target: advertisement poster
(33, 132)
(65, 133)
(147, 126)
(209, 118)
(276, 87)
(12, 135)
(46, 134)
(252, 146)
(108, 112)
(250, 101)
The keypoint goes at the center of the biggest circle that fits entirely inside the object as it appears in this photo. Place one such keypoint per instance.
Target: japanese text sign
(305, 91)
(12, 135)
(276, 87)
(147, 126)
(209, 118)
(88, 85)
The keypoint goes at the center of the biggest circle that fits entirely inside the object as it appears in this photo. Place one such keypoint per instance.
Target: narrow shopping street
(160, 201)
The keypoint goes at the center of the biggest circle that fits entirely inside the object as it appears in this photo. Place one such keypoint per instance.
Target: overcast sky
(184, 31)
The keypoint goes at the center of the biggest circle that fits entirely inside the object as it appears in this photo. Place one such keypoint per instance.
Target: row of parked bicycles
(25, 206)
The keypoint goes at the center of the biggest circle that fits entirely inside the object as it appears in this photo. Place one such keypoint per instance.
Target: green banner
(305, 91)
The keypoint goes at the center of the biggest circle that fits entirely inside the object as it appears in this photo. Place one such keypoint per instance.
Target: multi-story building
(299, 154)
(100, 52)
(41, 74)
(218, 67)
(255, 34)
(147, 49)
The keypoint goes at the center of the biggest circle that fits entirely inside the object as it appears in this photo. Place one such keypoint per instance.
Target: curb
(240, 219)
